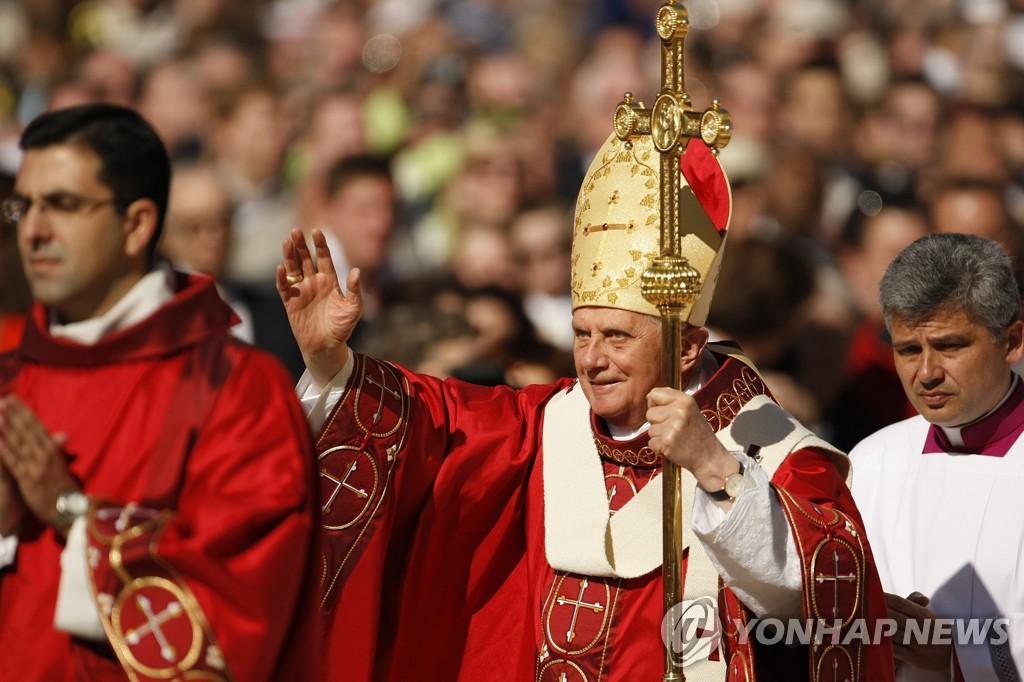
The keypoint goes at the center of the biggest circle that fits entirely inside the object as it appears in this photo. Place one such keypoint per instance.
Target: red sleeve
(250, 510)
(222, 577)
(428, 523)
(813, 477)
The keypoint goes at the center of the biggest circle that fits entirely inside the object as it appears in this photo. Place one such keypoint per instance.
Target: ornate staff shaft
(670, 283)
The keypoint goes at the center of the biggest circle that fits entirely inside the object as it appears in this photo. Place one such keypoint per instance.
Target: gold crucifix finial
(670, 282)
(673, 119)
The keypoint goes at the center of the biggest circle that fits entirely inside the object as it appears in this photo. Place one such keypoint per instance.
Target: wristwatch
(733, 487)
(71, 504)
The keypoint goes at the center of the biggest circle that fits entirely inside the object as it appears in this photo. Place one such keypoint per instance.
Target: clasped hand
(905, 646)
(681, 434)
(33, 467)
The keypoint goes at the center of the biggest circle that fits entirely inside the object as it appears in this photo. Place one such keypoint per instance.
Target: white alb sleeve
(317, 402)
(752, 546)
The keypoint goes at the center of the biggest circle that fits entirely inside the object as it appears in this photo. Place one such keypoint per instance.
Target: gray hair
(942, 272)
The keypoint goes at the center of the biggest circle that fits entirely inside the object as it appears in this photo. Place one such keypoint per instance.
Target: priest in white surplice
(942, 493)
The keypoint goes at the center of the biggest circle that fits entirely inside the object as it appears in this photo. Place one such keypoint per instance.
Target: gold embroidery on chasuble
(643, 456)
(354, 477)
(834, 571)
(150, 615)
(621, 488)
(577, 617)
(579, 612)
(741, 390)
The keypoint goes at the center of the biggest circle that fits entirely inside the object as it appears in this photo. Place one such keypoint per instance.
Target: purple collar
(992, 436)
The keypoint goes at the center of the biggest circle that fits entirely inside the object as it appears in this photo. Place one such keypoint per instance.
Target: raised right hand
(322, 318)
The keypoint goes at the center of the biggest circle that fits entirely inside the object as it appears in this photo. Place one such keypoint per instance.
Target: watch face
(73, 504)
(79, 504)
(734, 484)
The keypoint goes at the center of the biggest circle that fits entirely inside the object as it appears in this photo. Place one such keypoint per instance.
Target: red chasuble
(10, 331)
(196, 455)
(433, 505)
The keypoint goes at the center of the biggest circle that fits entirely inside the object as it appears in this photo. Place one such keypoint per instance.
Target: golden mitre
(617, 227)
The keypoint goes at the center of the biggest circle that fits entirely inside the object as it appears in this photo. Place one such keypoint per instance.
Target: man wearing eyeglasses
(154, 524)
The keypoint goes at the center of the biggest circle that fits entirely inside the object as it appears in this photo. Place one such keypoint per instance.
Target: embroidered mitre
(617, 226)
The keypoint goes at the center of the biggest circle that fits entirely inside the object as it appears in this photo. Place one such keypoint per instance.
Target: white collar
(955, 433)
(147, 295)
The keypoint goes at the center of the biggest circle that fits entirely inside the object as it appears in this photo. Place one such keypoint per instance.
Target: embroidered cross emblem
(339, 485)
(835, 579)
(382, 385)
(152, 626)
(577, 604)
(729, 405)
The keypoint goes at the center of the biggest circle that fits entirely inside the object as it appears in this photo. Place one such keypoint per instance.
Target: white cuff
(76, 612)
(707, 515)
(319, 402)
(751, 545)
(8, 550)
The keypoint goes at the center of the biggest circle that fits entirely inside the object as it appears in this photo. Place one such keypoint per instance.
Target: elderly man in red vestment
(479, 533)
(156, 507)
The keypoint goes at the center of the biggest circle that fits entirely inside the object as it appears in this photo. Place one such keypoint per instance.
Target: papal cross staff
(671, 283)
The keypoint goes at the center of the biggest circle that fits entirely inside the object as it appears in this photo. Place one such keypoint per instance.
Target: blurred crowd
(440, 145)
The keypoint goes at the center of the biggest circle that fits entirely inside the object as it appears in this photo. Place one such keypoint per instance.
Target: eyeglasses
(15, 208)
